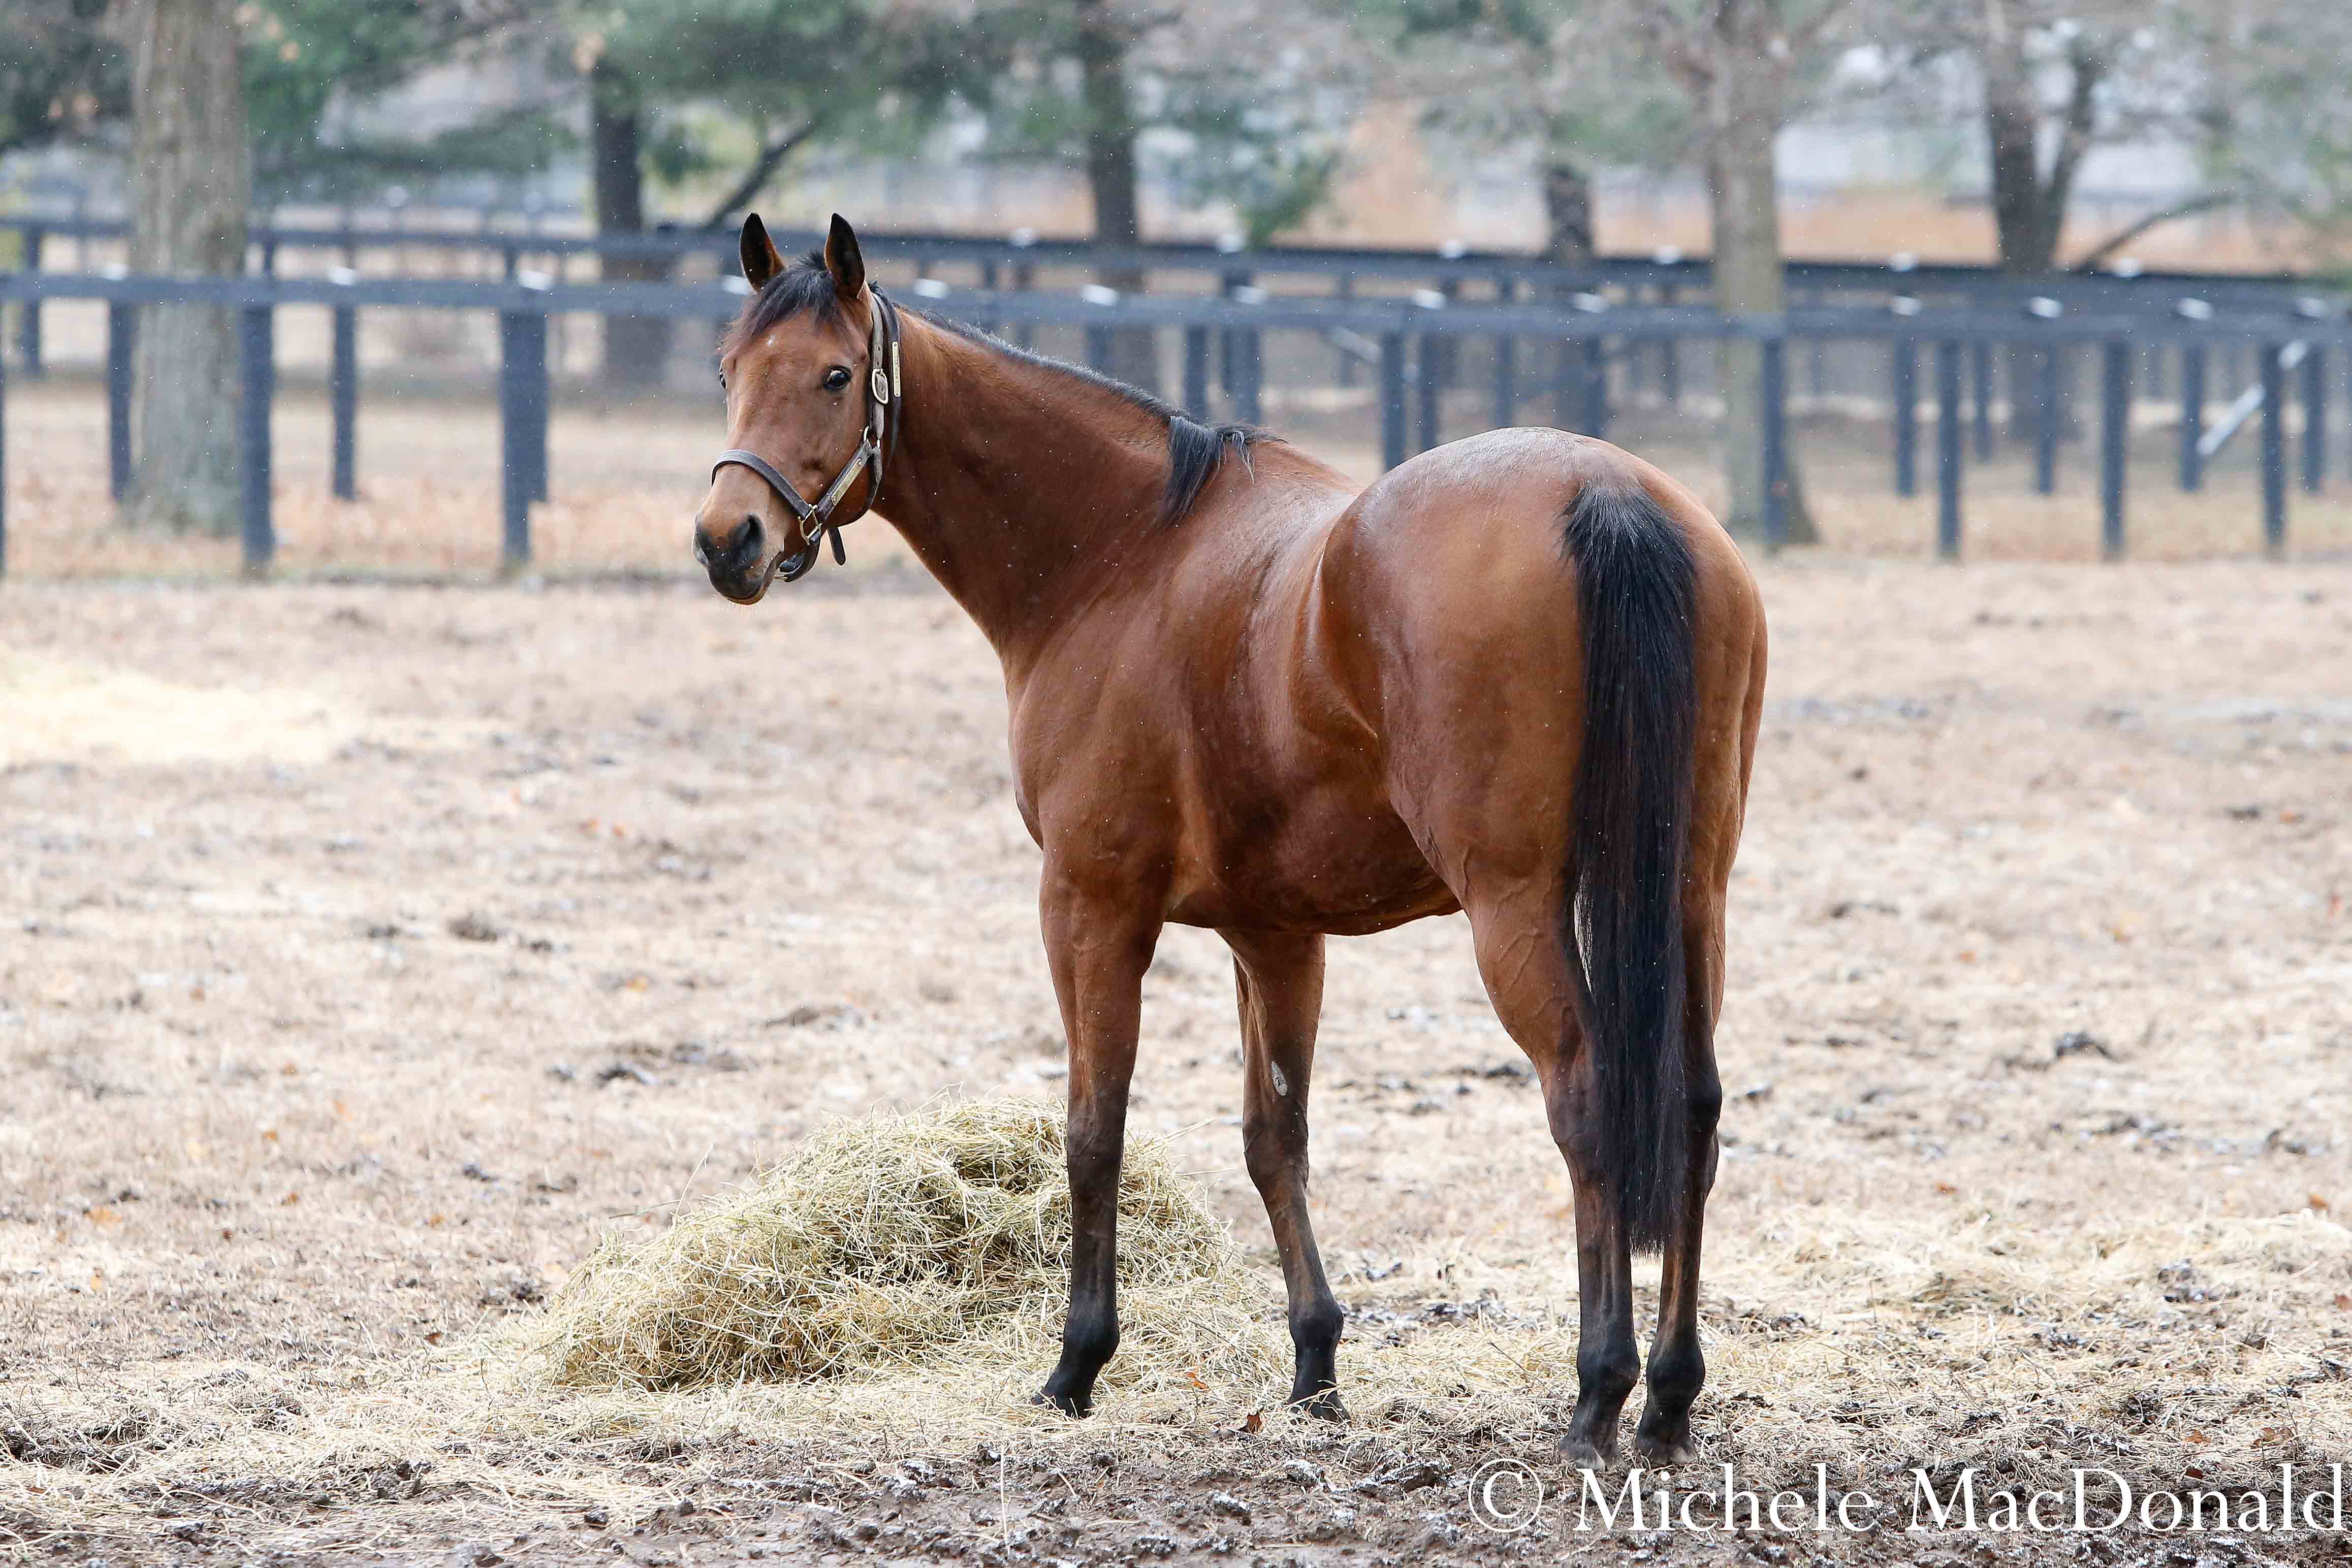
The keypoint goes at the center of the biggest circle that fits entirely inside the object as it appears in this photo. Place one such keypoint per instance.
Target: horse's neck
(1017, 486)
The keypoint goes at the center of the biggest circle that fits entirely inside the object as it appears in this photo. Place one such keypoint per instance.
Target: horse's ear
(761, 261)
(843, 259)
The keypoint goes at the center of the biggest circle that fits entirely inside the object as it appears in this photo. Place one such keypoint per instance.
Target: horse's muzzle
(735, 560)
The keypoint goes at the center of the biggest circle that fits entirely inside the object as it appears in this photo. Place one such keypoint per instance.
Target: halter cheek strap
(884, 391)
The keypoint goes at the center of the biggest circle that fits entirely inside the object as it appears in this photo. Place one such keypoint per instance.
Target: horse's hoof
(1075, 1405)
(1664, 1453)
(1324, 1405)
(1583, 1455)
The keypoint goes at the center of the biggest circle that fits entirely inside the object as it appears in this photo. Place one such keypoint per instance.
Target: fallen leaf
(289, 1200)
(1254, 1422)
(2318, 1203)
(1193, 1378)
(104, 1217)
(1946, 1188)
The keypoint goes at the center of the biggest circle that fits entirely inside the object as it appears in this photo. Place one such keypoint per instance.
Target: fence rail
(1408, 340)
(1451, 267)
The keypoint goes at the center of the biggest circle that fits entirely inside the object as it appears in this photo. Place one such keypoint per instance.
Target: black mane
(1195, 450)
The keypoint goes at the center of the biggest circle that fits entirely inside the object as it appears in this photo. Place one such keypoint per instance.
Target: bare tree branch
(2203, 203)
(763, 168)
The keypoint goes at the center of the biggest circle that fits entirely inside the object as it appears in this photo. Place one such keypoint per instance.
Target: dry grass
(897, 1244)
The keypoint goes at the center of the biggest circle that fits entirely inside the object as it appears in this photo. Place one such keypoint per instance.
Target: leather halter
(884, 391)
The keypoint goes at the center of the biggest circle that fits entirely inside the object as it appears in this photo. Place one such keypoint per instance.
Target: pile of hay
(912, 1240)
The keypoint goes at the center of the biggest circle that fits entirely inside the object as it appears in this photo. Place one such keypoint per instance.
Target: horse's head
(798, 368)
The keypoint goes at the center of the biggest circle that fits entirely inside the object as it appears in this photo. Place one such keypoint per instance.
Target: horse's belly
(1329, 866)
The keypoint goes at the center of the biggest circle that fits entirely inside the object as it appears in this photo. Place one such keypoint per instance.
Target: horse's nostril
(746, 542)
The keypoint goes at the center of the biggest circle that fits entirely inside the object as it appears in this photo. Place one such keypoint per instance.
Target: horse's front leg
(1098, 947)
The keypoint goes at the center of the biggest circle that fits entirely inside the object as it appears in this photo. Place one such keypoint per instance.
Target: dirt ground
(370, 951)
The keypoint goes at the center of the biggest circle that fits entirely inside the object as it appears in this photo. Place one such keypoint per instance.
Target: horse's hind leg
(1677, 1366)
(1279, 979)
(1530, 980)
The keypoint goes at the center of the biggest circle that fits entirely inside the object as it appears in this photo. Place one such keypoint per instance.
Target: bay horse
(1519, 677)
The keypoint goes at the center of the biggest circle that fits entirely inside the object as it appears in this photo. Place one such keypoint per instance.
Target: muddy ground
(369, 952)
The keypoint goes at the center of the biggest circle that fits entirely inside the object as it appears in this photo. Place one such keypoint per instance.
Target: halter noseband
(884, 391)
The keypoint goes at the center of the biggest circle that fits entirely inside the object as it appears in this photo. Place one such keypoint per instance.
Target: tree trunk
(1110, 177)
(1742, 116)
(2029, 204)
(637, 347)
(1567, 212)
(190, 184)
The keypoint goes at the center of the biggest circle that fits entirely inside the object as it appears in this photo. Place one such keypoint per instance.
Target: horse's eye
(836, 377)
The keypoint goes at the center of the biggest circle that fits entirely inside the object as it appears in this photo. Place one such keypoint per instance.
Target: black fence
(992, 265)
(1410, 342)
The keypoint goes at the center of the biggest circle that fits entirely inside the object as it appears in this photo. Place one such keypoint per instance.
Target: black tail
(1637, 587)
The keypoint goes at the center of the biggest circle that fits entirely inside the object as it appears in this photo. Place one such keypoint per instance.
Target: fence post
(1949, 451)
(2114, 444)
(1905, 367)
(2274, 384)
(2046, 415)
(121, 349)
(539, 395)
(1250, 379)
(1980, 373)
(520, 424)
(2314, 420)
(343, 392)
(1446, 357)
(1670, 364)
(258, 366)
(2192, 416)
(1344, 288)
(1507, 380)
(1430, 363)
(1596, 387)
(1196, 372)
(1099, 349)
(1025, 279)
(1231, 350)
(1392, 451)
(29, 324)
(1774, 437)
(3, 462)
